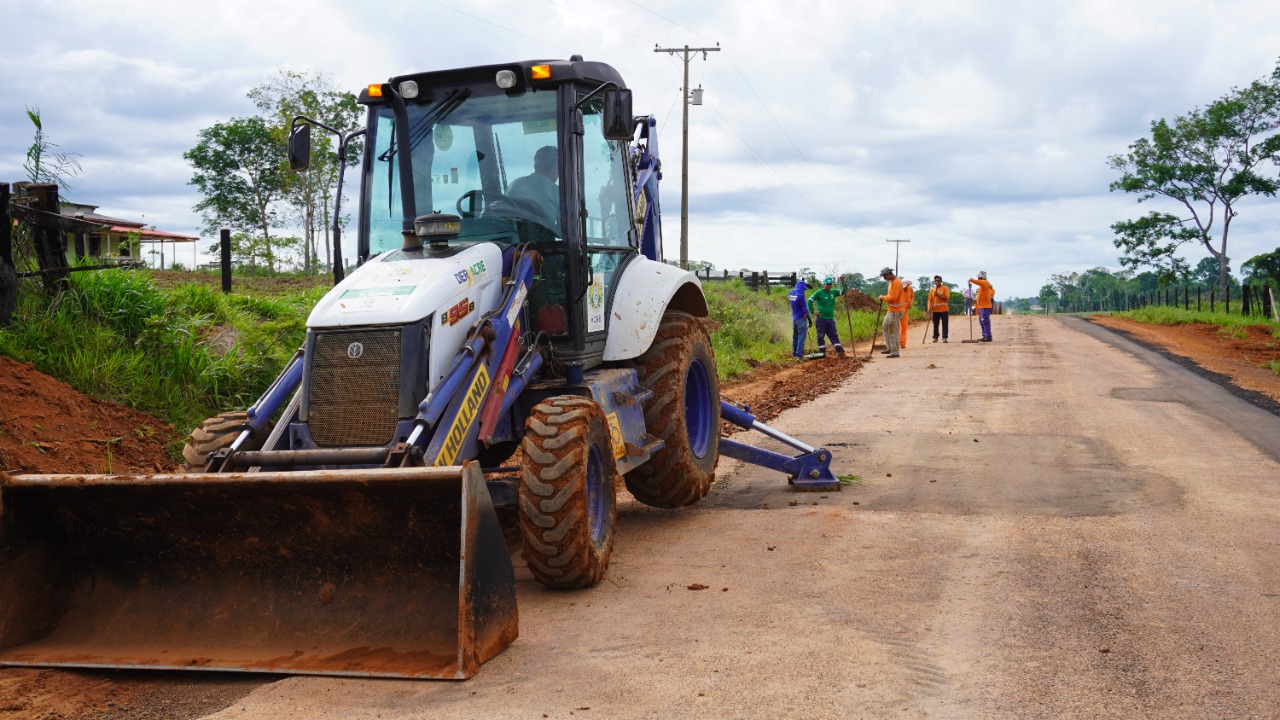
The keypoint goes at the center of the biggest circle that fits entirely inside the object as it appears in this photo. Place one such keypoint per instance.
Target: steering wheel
(480, 201)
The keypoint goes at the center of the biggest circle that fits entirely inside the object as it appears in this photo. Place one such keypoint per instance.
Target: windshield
(491, 159)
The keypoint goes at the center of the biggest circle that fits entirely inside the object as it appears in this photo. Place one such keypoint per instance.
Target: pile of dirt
(48, 427)
(858, 300)
(771, 388)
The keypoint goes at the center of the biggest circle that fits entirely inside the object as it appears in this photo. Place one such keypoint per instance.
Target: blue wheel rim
(596, 496)
(698, 408)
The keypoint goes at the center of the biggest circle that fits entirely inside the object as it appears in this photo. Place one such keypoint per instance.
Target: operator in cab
(539, 187)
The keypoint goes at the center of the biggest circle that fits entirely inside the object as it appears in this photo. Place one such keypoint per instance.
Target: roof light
(540, 72)
(408, 89)
(375, 90)
(506, 79)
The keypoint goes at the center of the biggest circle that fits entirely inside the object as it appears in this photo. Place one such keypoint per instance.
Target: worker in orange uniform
(897, 301)
(986, 294)
(940, 307)
(910, 293)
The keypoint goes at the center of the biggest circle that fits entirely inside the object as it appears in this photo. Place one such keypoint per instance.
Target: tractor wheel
(214, 434)
(567, 509)
(684, 411)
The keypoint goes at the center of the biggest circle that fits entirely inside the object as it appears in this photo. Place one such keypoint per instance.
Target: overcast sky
(978, 130)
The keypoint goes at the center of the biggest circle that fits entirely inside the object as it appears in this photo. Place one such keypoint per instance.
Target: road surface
(1056, 524)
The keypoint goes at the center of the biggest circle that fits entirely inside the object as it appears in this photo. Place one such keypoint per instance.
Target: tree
(310, 194)
(44, 163)
(1264, 268)
(241, 172)
(1049, 297)
(1207, 272)
(1206, 161)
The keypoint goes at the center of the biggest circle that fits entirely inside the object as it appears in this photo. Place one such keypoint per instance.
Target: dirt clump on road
(1237, 356)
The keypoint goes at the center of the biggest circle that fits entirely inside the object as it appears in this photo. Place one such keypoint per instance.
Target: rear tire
(684, 411)
(214, 434)
(567, 509)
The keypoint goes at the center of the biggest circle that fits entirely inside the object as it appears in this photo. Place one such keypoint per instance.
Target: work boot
(935, 339)
(840, 352)
(944, 339)
(985, 340)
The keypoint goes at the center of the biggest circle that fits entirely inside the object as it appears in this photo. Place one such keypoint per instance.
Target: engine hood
(400, 288)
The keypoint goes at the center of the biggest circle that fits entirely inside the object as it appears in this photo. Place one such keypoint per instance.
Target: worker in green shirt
(822, 304)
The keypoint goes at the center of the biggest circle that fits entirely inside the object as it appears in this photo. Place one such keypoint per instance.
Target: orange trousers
(902, 336)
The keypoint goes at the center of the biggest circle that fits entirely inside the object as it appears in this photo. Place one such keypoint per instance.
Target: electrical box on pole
(694, 98)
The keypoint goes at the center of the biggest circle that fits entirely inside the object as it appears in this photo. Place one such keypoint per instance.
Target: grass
(1166, 315)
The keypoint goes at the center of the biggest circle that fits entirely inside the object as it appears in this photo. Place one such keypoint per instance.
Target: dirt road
(1051, 525)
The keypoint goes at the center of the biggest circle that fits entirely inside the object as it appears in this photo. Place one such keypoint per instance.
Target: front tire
(567, 509)
(684, 411)
(214, 434)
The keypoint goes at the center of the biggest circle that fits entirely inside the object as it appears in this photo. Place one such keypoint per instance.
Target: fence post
(1266, 300)
(1244, 299)
(755, 280)
(6, 227)
(1186, 298)
(225, 242)
(1197, 298)
(1226, 301)
(726, 274)
(765, 277)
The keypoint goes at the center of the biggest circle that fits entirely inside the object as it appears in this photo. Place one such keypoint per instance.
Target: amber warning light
(540, 72)
(375, 90)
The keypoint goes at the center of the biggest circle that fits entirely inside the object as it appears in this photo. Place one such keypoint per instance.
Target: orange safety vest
(896, 298)
(985, 292)
(940, 299)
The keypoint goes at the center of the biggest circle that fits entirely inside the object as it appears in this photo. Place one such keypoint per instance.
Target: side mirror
(619, 124)
(300, 146)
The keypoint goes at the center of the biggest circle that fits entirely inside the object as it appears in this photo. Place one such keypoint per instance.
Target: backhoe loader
(509, 345)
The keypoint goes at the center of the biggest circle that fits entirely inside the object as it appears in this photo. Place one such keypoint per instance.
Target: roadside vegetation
(181, 350)
(750, 328)
(1229, 326)
(181, 354)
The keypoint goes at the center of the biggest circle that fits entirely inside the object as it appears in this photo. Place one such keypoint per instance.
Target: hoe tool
(971, 312)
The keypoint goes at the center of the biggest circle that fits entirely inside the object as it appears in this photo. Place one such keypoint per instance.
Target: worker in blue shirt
(800, 320)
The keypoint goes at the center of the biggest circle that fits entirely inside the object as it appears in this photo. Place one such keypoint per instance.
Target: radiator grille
(353, 401)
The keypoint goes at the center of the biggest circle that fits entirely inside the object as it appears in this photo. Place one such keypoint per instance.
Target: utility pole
(897, 247)
(684, 156)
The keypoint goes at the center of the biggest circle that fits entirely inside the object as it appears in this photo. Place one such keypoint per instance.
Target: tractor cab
(531, 152)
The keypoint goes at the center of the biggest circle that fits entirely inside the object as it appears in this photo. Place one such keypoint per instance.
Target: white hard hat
(982, 274)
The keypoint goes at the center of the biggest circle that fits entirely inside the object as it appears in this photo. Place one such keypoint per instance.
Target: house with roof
(118, 241)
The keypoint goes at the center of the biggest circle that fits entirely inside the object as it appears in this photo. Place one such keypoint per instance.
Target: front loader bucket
(383, 572)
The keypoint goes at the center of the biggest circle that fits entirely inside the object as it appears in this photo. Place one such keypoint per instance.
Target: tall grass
(1230, 324)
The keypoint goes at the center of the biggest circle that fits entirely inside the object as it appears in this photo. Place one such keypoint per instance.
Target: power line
(769, 113)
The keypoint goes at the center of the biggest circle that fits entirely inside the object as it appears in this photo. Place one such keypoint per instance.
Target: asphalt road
(1056, 524)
